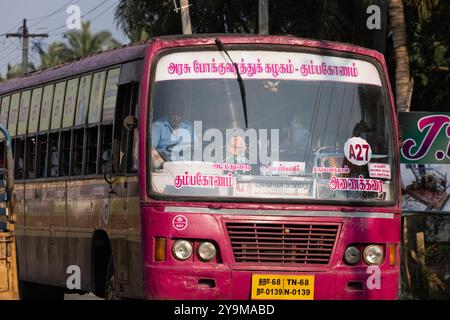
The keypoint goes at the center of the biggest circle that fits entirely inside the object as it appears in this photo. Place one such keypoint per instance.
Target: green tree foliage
(158, 17)
(83, 43)
(338, 20)
(15, 70)
(56, 53)
(137, 35)
(80, 43)
(429, 44)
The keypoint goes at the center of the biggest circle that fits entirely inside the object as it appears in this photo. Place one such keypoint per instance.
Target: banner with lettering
(425, 137)
(425, 158)
(265, 65)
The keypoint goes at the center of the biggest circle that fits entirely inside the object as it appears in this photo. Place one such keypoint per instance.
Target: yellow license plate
(282, 287)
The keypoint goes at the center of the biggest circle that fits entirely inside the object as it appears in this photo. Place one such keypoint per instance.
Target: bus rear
(268, 170)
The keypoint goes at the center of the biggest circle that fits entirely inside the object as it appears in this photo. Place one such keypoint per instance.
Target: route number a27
(357, 151)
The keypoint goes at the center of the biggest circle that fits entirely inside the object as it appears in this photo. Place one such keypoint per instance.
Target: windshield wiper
(219, 45)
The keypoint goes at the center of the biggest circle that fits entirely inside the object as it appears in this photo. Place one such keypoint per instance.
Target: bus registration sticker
(280, 287)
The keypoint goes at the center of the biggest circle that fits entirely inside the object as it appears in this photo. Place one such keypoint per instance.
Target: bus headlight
(352, 255)
(206, 251)
(182, 249)
(373, 254)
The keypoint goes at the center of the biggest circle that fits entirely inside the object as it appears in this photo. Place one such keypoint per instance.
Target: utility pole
(263, 17)
(185, 16)
(25, 44)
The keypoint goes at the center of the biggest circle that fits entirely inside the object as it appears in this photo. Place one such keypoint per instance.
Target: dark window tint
(106, 132)
(77, 149)
(65, 153)
(53, 154)
(42, 150)
(30, 164)
(19, 161)
(91, 150)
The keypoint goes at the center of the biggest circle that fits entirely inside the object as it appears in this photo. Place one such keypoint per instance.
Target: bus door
(8, 260)
(119, 176)
(128, 170)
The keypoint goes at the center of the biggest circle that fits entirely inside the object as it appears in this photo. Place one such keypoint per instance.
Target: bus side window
(19, 154)
(133, 153)
(64, 159)
(106, 133)
(30, 163)
(42, 149)
(91, 150)
(53, 154)
(77, 152)
(133, 135)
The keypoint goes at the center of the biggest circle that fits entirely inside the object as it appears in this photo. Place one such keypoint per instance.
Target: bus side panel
(45, 221)
(20, 231)
(84, 205)
(114, 219)
(135, 286)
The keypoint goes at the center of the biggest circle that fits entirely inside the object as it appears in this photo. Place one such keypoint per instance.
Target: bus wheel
(110, 282)
(35, 291)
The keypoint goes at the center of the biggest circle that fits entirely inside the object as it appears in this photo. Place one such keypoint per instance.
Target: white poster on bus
(5, 110)
(265, 65)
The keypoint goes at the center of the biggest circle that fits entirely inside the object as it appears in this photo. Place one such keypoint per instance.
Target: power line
(106, 10)
(13, 51)
(84, 15)
(92, 19)
(41, 19)
(25, 35)
(11, 29)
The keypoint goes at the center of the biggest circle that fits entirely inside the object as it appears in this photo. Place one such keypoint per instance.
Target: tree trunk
(402, 79)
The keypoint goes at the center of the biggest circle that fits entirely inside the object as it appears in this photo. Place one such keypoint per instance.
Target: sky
(49, 16)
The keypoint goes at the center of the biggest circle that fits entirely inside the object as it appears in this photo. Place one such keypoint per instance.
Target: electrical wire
(84, 15)
(42, 19)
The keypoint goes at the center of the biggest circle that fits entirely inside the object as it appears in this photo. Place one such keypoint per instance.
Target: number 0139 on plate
(282, 287)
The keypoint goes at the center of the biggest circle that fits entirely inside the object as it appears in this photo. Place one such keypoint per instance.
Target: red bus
(208, 167)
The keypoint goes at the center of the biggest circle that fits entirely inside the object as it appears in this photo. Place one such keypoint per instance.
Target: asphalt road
(89, 296)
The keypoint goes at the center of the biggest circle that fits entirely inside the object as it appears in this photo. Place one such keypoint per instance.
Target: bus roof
(233, 38)
(135, 51)
(75, 67)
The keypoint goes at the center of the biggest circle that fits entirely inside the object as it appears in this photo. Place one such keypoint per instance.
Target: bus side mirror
(130, 122)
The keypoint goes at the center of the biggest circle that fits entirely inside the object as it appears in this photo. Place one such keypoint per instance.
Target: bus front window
(310, 136)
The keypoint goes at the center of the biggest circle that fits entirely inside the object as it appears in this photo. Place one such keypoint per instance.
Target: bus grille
(282, 243)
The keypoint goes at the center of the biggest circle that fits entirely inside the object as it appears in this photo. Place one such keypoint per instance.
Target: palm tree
(137, 35)
(403, 83)
(56, 53)
(402, 76)
(82, 43)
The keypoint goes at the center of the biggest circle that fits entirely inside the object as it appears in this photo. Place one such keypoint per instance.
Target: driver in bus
(167, 131)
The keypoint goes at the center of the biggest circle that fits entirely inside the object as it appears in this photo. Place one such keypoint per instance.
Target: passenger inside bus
(167, 131)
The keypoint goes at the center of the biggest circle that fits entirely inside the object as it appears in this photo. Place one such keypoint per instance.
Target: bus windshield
(319, 128)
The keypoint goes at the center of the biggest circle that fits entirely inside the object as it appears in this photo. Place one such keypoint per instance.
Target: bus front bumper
(230, 284)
